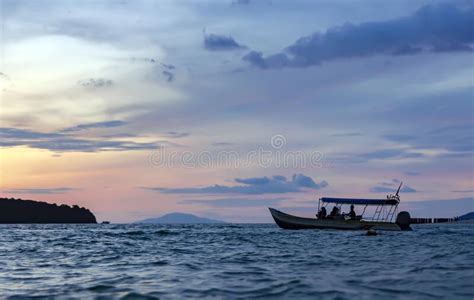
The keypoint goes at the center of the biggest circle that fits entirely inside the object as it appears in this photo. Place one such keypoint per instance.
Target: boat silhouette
(382, 219)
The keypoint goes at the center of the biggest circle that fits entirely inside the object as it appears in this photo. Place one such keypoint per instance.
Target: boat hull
(287, 221)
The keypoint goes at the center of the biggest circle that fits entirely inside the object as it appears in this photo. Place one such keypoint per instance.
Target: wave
(227, 262)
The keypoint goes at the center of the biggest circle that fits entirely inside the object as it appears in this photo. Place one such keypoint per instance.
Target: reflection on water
(234, 261)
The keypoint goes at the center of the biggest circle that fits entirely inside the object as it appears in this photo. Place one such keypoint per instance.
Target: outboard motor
(404, 220)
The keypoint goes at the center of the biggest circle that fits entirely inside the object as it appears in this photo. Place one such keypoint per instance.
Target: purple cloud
(253, 186)
(214, 42)
(437, 28)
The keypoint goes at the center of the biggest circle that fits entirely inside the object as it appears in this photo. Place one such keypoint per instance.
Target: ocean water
(234, 262)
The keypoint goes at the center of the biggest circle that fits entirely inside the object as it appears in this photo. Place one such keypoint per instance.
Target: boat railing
(385, 209)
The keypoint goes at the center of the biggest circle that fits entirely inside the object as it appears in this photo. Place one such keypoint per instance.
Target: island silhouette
(467, 217)
(19, 211)
(180, 218)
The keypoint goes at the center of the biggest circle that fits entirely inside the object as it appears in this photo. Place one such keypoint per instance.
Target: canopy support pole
(363, 212)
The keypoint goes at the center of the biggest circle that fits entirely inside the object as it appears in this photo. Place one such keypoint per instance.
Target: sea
(232, 261)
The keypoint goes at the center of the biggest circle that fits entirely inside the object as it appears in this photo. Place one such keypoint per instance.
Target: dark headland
(18, 211)
(467, 217)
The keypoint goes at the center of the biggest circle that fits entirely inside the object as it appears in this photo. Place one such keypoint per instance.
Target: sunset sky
(127, 107)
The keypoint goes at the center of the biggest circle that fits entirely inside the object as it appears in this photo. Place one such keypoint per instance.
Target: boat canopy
(389, 201)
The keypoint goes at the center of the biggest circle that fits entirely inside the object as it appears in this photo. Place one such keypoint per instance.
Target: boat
(382, 219)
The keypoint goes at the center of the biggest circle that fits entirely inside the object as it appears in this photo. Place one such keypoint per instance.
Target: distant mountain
(16, 211)
(468, 216)
(180, 218)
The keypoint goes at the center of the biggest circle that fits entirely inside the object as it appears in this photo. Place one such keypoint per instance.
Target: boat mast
(396, 195)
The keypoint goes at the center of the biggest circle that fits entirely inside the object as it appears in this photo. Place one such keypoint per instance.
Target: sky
(135, 109)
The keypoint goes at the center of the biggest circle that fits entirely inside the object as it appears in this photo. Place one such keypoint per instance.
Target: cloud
(235, 202)
(453, 139)
(45, 191)
(389, 154)
(95, 83)
(84, 145)
(412, 173)
(256, 58)
(214, 42)
(254, 186)
(105, 124)
(63, 142)
(385, 189)
(348, 134)
(436, 28)
(168, 71)
(254, 181)
(382, 154)
(387, 183)
(274, 61)
(407, 50)
(13, 134)
(169, 76)
(168, 66)
(458, 138)
(391, 187)
(462, 191)
(175, 134)
(301, 180)
(453, 48)
(143, 59)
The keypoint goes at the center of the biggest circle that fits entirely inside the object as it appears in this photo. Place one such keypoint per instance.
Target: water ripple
(233, 262)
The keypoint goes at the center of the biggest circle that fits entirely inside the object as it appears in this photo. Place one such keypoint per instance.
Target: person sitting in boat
(352, 213)
(334, 212)
(322, 214)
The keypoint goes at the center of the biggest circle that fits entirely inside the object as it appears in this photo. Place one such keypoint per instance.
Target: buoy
(371, 232)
